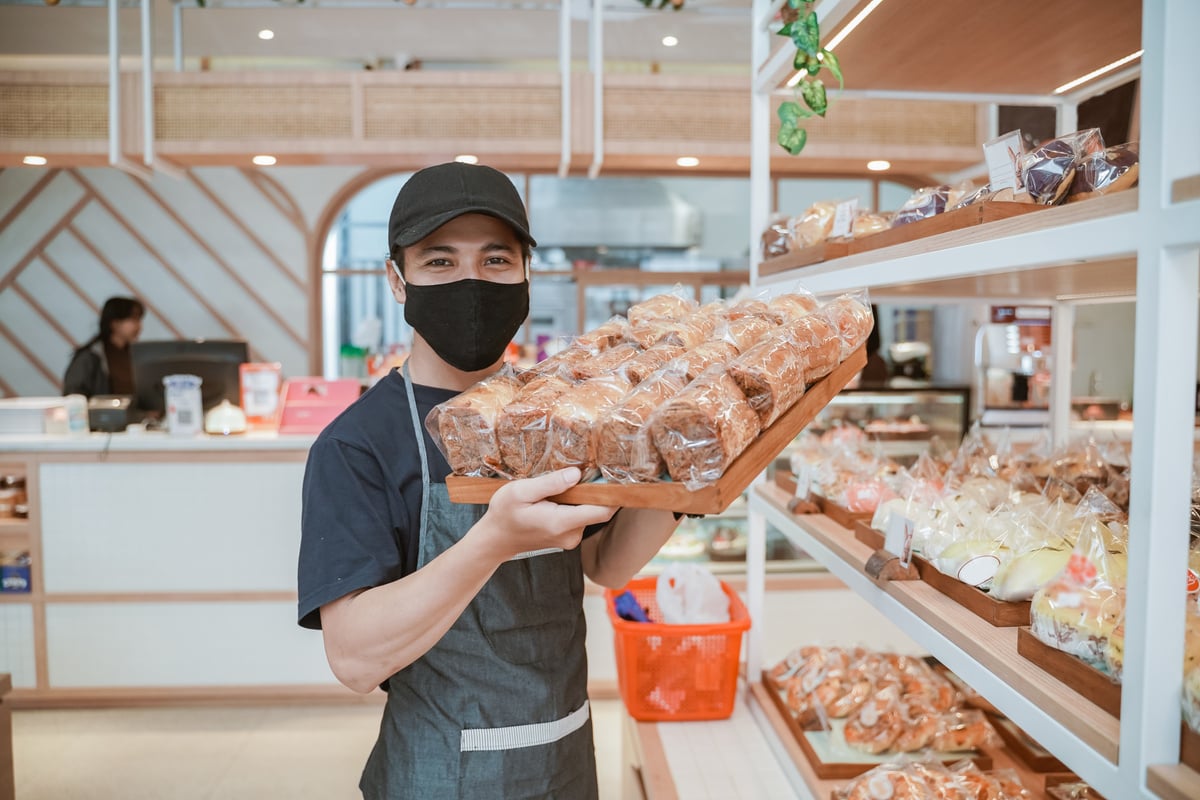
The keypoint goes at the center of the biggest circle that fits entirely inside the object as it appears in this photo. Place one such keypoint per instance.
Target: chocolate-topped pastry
(924, 203)
(1048, 171)
(1112, 170)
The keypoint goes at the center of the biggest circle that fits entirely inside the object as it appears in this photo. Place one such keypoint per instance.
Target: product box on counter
(14, 573)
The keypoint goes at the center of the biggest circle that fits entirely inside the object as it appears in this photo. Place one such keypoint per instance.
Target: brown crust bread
(574, 419)
(698, 359)
(792, 306)
(605, 362)
(625, 451)
(853, 321)
(608, 335)
(750, 308)
(746, 332)
(820, 343)
(647, 362)
(688, 332)
(522, 429)
(466, 425)
(661, 306)
(561, 363)
(700, 431)
(771, 376)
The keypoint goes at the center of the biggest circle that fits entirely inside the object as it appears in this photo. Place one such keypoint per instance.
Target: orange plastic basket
(676, 672)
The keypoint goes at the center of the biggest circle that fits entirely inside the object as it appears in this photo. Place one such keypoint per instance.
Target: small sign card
(1001, 156)
(897, 539)
(843, 218)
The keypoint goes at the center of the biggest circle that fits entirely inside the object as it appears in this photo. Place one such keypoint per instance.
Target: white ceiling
(713, 34)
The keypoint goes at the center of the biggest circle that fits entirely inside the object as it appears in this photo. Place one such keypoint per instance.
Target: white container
(185, 410)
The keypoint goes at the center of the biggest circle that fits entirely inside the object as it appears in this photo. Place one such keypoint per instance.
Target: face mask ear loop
(399, 274)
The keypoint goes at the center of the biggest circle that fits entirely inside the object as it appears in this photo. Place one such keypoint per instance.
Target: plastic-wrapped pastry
(886, 782)
(918, 731)
(972, 198)
(964, 730)
(712, 353)
(661, 306)
(607, 335)
(795, 660)
(853, 320)
(924, 203)
(749, 307)
(1021, 576)
(819, 340)
(1072, 791)
(877, 724)
(771, 376)
(814, 225)
(700, 431)
(464, 427)
(625, 450)
(1048, 171)
(523, 426)
(605, 362)
(647, 362)
(777, 238)
(792, 306)
(561, 364)
(745, 332)
(1111, 170)
(866, 223)
(575, 416)
(687, 332)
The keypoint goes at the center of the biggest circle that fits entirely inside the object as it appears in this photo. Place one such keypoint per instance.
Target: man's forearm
(633, 537)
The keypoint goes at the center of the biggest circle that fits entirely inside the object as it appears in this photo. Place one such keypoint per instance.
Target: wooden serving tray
(868, 535)
(804, 257)
(1019, 743)
(944, 223)
(1189, 748)
(840, 770)
(675, 496)
(1086, 680)
(839, 513)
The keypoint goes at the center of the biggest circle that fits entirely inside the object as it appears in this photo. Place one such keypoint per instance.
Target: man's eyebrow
(438, 248)
(494, 246)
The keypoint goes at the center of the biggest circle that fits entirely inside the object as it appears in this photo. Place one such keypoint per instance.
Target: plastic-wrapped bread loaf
(522, 429)
(610, 334)
(647, 362)
(745, 332)
(574, 419)
(820, 344)
(464, 427)
(792, 306)
(698, 359)
(605, 362)
(625, 451)
(771, 376)
(662, 306)
(562, 363)
(749, 308)
(687, 332)
(701, 430)
(853, 321)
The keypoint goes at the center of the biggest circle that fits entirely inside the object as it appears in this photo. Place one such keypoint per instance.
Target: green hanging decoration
(801, 26)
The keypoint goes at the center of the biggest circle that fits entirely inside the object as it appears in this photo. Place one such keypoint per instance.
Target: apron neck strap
(416, 425)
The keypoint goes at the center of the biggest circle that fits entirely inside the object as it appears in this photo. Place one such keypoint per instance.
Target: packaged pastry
(700, 431)
(562, 364)
(607, 335)
(975, 197)
(964, 730)
(1111, 170)
(699, 359)
(647, 362)
(771, 376)
(777, 238)
(867, 222)
(749, 307)
(625, 451)
(886, 782)
(523, 427)
(464, 427)
(818, 339)
(686, 332)
(1077, 790)
(878, 723)
(1048, 172)
(924, 203)
(574, 418)
(661, 306)
(604, 362)
(814, 225)
(792, 306)
(853, 320)
(745, 332)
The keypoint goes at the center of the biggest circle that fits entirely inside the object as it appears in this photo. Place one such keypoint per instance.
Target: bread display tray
(1019, 743)
(944, 223)
(804, 257)
(831, 744)
(839, 513)
(1088, 681)
(675, 496)
(1000, 613)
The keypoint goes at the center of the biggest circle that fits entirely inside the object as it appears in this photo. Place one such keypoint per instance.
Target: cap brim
(416, 233)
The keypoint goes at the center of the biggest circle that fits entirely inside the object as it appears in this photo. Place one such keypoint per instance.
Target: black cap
(436, 195)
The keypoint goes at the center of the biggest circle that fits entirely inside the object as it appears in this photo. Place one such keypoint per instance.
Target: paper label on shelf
(979, 570)
(897, 539)
(804, 480)
(1001, 156)
(843, 218)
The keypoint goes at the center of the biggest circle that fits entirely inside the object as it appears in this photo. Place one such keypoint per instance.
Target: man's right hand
(520, 518)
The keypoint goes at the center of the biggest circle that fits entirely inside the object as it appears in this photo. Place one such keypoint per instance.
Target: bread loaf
(647, 362)
(688, 332)
(608, 335)
(771, 376)
(792, 306)
(561, 363)
(700, 358)
(750, 308)
(625, 451)
(853, 321)
(464, 427)
(818, 341)
(700, 431)
(662, 306)
(605, 362)
(746, 332)
(574, 419)
(522, 429)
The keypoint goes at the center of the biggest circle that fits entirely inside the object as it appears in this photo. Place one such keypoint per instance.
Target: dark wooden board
(1088, 681)
(1189, 748)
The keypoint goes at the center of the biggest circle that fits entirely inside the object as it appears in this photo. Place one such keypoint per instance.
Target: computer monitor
(214, 361)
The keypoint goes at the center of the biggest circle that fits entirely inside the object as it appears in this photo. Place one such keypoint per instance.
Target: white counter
(155, 441)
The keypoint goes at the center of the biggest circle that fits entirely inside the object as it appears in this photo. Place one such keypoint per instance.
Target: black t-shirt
(361, 498)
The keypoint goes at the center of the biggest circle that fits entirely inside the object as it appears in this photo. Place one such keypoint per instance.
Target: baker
(470, 617)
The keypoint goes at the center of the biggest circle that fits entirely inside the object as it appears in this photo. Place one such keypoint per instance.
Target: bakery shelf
(1185, 189)
(1174, 782)
(1079, 733)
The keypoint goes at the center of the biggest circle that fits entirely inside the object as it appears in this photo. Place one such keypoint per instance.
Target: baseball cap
(435, 195)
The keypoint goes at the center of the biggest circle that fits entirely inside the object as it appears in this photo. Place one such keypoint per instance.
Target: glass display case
(902, 419)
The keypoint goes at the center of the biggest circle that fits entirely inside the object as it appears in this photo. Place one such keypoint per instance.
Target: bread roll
(608, 335)
(750, 308)
(688, 332)
(771, 376)
(820, 344)
(792, 306)
(746, 332)
(604, 362)
(465, 426)
(574, 418)
(647, 362)
(522, 429)
(662, 306)
(700, 358)
(853, 321)
(625, 451)
(701, 430)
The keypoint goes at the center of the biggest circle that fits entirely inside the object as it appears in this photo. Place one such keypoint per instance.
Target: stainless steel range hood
(612, 212)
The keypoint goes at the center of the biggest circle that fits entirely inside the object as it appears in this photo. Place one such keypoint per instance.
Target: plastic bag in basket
(687, 594)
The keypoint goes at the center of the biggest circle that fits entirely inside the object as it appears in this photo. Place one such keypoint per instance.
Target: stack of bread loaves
(674, 389)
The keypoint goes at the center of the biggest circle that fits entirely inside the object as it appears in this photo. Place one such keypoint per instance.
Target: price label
(1001, 156)
(804, 480)
(843, 218)
(897, 538)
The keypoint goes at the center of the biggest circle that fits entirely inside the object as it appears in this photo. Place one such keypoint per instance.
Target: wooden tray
(1059, 778)
(675, 496)
(786, 481)
(839, 513)
(868, 535)
(804, 257)
(1087, 681)
(840, 770)
(943, 223)
(1019, 743)
(1189, 748)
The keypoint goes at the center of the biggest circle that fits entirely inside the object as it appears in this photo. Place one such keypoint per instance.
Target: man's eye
(438, 262)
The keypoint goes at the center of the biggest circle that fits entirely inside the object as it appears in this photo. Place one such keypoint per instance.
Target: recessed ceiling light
(687, 161)
(669, 41)
(35, 161)
(266, 34)
(1120, 62)
(264, 161)
(879, 166)
(467, 158)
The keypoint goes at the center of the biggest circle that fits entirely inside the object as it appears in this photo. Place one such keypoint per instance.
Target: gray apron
(498, 708)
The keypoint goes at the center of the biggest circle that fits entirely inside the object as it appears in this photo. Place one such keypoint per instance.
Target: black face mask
(468, 323)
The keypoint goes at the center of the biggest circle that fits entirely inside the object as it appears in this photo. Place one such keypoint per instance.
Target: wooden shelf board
(1174, 782)
(993, 648)
(1185, 189)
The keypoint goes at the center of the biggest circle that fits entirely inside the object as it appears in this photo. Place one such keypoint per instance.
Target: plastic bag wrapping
(777, 238)
(771, 375)
(523, 427)
(744, 332)
(813, 226)
(676, 304)
(464, 427)
(1111, 170)
(700, 431)
(878, 723)
(603, 363)
(1078, 610)
(999, 784)
(1077, 790)
(923, 204)
(971, 198)
(1048, 172)
(624, 448)
(609, 334)
(712, 353)
(574, 418)
(851, 314)
(821, 343)
(687, 594)
(754, 306)
(647, 362)
(964, 730)
(562, 364)
(689, 331)
(888, 782)
(867, 223)
(793, 305)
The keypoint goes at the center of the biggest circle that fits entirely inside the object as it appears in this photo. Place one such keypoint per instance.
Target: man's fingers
(531, 490)
(581, 516)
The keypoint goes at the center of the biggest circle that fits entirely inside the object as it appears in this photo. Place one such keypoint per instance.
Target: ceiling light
(266, 34)
(264, 161)
(35, 161)
(669, 41)
(467, 158)
(688, 161)
(841, 35)
(1120, 62)
(879, 165)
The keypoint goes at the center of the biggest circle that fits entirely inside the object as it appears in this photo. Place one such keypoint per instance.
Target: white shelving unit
(1142, 245)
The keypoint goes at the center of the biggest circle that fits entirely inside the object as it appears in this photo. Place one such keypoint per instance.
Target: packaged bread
(814, 225)
(464, 427)
(745, 332)
(777, 238)
(624, 447)
(1049, 171)
(964, 730)
(889, 781)
(749, 307)
(771, 376)
(607, 335)
(562, 364)
(866, 223)
(853, 320)
(700, 431)
(647, 362)
(792, 306)
(877, 724)
(698, 359)
(604, 362)
(661, 306)
(820, 343)
(924, 203)
(1111, 170)
(687, 332)
(523, 427)
(574, 418)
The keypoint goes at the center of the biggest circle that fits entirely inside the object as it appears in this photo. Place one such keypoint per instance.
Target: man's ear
(395, 281)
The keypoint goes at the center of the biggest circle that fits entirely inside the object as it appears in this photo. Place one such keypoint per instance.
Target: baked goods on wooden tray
(679, 407)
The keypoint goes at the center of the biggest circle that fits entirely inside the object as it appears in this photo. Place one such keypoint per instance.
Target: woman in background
(102, 366)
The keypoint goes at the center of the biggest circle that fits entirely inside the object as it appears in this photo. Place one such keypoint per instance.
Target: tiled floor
(237, 753)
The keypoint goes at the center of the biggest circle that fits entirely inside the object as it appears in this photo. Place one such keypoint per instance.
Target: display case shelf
(1186, 189)
(1079, 733)
(1174, 782)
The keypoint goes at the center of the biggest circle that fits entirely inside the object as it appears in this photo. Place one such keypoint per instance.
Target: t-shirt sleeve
(348, 538)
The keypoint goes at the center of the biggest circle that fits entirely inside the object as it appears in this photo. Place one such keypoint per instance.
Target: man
(470, 617)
